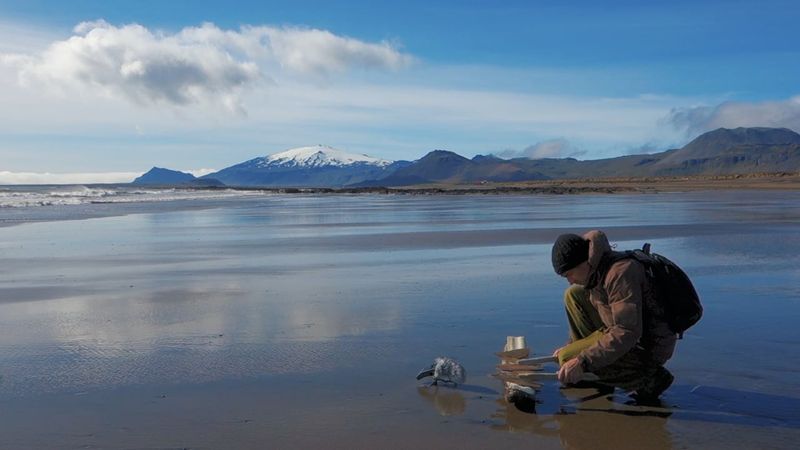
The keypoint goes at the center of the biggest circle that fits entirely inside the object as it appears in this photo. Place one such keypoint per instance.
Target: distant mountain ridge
(441, 166)
(719, 152)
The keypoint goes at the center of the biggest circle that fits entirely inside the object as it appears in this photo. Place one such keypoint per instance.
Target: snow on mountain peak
(320, 156)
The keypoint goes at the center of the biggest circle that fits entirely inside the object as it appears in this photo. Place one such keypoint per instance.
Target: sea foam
(37, 196)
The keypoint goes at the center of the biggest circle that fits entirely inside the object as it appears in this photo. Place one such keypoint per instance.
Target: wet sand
(302, 320)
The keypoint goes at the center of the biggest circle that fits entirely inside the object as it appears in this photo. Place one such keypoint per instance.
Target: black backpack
(672, 287)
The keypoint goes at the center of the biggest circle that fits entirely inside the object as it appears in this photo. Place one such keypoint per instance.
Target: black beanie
(569, 250)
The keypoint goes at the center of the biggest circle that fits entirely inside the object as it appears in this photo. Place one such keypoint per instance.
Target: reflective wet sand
(294, 320)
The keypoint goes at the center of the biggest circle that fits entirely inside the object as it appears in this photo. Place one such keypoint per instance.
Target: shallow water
(302, 320)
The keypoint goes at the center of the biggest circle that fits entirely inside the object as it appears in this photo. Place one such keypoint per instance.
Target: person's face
(578, 274)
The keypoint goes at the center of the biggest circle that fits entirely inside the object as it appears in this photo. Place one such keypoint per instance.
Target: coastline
(626, 185)
(88, 206)
(602, 185)
(771, 181)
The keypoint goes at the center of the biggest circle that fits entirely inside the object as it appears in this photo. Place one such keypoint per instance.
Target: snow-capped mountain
(319, 156)
(315, 166)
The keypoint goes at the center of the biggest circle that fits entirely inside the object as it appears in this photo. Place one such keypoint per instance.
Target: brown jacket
(627, 307)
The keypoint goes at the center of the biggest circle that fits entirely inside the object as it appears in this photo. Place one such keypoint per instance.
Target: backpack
(672, 287)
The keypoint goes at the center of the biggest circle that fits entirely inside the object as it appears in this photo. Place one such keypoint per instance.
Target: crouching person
(617, 330)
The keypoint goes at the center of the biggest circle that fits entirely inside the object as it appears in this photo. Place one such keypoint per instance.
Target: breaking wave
(34, 196)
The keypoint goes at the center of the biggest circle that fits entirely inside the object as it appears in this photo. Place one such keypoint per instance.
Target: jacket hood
(598, 248)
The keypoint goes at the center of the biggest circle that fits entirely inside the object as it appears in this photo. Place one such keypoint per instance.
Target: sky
(98, 91)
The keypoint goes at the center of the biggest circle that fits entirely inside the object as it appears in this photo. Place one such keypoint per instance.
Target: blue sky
(113, 88)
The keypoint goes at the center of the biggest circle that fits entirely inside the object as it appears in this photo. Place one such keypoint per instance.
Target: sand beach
(286, 321)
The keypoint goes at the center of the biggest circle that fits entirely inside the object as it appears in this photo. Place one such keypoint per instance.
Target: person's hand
(570, 372)
(555, 352)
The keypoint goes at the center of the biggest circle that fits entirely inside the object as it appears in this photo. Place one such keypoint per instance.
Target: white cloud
(196, 65)
(551, 148)
(199, 172)
(311, 51)
(644, 149)
(555, 148)
(389, 120)
(66, 178)
(471, 112)
(699, 119)
(389, 115)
